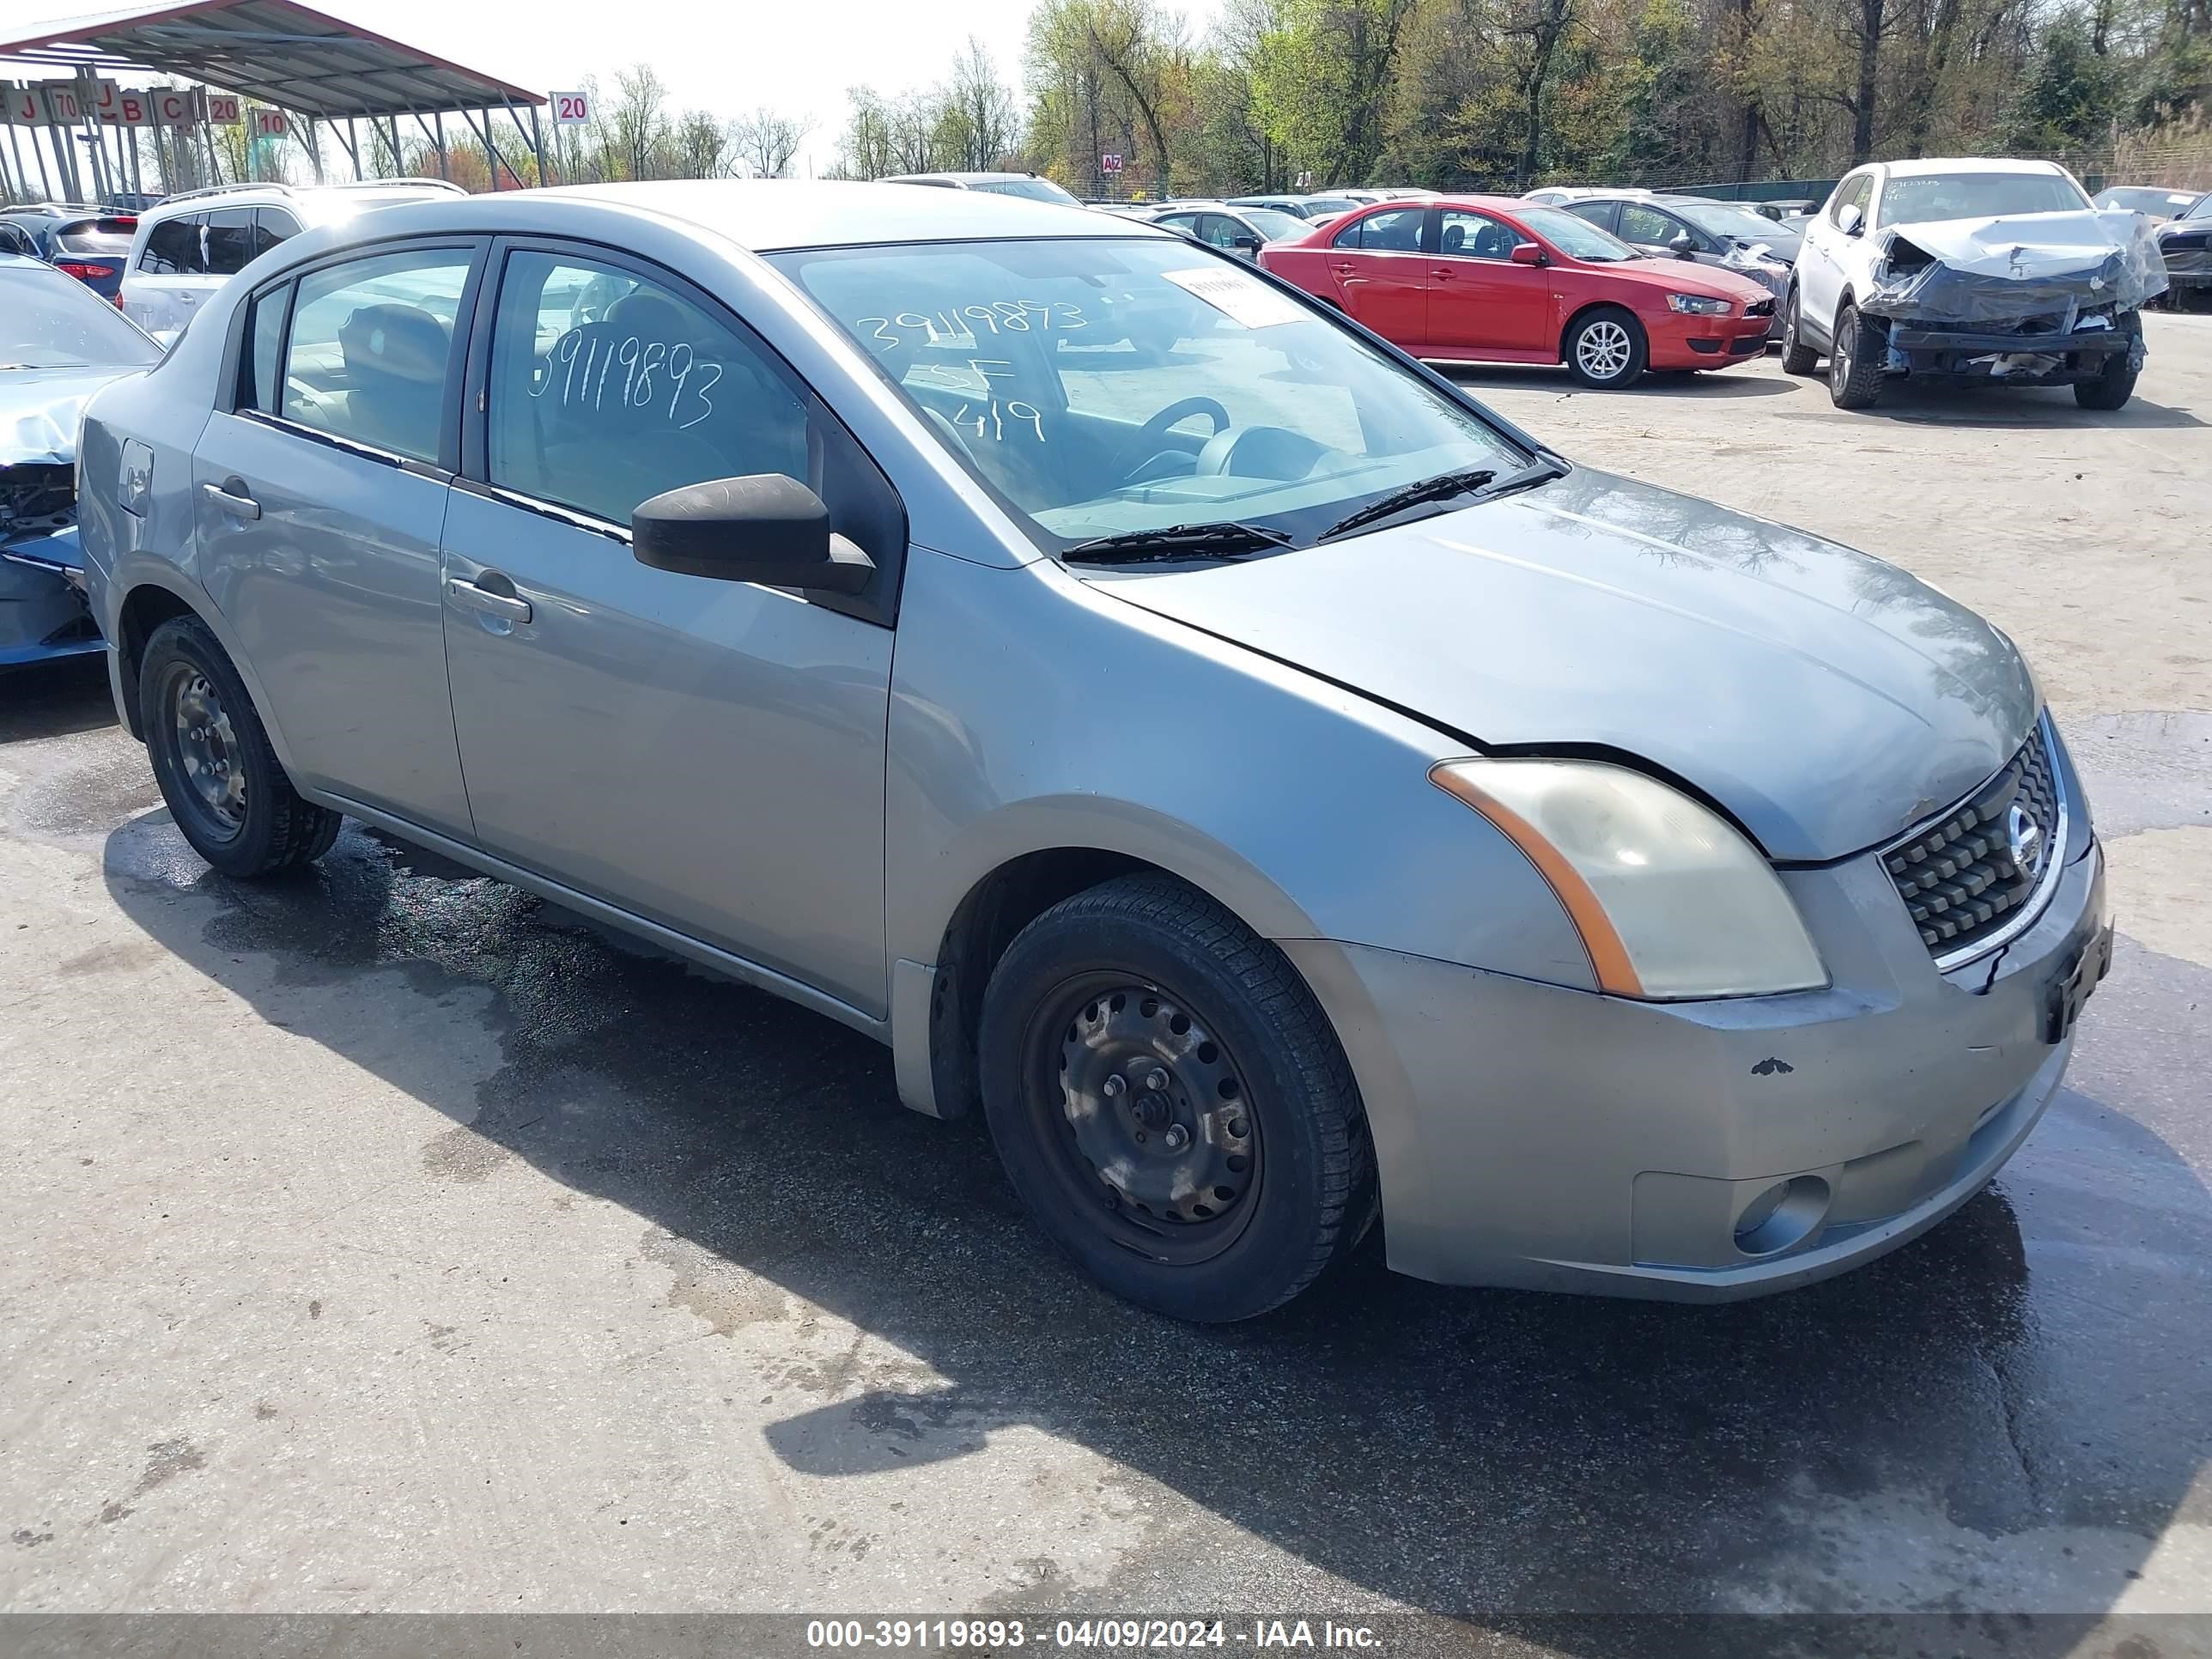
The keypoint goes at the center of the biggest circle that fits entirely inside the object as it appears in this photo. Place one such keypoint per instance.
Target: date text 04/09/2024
(1108, 1635)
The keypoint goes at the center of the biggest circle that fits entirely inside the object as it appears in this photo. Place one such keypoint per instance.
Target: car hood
(1827, 699)
(2025, 245)
(40, 407)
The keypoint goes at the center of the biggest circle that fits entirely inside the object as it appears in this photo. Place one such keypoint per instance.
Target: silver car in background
(1276, 791)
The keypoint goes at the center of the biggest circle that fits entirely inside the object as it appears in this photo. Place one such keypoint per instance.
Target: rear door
(1478, 298)
(170, 267)
(1821, 259)
(1383, 274)
(321, 483)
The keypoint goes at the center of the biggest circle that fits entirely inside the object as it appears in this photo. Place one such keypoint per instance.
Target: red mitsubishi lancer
(1495, 279)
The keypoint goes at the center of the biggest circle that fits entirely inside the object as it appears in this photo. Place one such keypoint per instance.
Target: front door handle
(468, 595)
(1441, 273)
(234, 498)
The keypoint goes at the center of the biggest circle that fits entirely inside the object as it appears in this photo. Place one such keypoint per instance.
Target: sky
(795, 56)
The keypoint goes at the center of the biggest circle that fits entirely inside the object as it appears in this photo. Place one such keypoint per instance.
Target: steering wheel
(1151, 442)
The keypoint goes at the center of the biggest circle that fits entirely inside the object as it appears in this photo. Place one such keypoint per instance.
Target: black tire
(1856, 360)
(1797, 357)
(1627, 345)
(2112, 388)
(1104, 977)
(249, 821)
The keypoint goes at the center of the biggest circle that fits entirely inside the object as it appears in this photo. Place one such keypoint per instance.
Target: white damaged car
(1992, 270)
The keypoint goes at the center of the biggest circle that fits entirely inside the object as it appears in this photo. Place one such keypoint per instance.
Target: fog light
(1784, 1214)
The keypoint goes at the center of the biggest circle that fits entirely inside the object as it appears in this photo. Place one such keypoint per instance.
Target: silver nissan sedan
(1278, 794)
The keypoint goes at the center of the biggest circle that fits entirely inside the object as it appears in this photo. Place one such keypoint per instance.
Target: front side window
(173, 248)
(1475, 236)
(1646, 226)
(1854, 192)
(370, 355)
(270, 227)
(1932, 196)
(607, 388)
(1101, 386)
(229, 240)
(1219, 230)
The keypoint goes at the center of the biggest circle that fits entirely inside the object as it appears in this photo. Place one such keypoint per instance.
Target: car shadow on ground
(1936, 1426)
(1998, 408)
(55, 699)
(1655, 383)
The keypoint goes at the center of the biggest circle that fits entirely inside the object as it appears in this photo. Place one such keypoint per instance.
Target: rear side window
(258, 379)
(607, 388)
(1397, 231)
(370, 352)
(229, 240)
(173, 248)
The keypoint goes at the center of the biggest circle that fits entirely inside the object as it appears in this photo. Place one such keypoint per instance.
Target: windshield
(1275, 225)
(1918, 201)
(1741, 224)
(2143, 198)
(1575, 236)
(1099, 388)
(2203, 209)
(1320, 206)
(48, 320)
(1033, 190)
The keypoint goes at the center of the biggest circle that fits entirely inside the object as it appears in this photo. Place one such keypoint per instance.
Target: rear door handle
(470, 597)
(233, 497)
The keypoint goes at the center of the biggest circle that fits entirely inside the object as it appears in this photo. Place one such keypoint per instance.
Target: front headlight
(1698, 305)
(1671, 901)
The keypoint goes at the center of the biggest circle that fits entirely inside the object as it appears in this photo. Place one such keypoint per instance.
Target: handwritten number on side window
(585, 385)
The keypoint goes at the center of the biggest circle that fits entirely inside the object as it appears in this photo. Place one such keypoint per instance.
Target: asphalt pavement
(383, 1239)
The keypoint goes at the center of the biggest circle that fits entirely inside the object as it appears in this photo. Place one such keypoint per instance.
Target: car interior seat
(395, 360)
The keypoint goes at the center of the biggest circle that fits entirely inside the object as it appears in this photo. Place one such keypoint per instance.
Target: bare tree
(766, 142)
(976, 123)
(637, 125)
(700, 146)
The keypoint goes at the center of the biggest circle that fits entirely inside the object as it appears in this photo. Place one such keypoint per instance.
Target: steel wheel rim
(209, 759)
(1603, 350)
(1146, 1115)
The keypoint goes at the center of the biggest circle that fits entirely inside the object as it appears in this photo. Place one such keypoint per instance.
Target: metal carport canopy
(277, 51)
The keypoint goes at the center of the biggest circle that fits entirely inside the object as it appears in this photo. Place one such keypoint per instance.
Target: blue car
(92, 244)
(59, 343)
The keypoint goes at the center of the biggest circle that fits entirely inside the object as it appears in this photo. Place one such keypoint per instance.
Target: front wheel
(2113, 387)
(218, 772)
(1170, 1104)
(1857, 361)
(1797, 357)
(1606, 349)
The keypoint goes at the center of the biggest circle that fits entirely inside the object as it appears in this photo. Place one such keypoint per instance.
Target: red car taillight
(84, 273)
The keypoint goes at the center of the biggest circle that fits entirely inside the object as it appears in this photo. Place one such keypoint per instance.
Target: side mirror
(1851, 221)
(1248, 246)
(1681, 245)
(766, 528)
(1528, 253)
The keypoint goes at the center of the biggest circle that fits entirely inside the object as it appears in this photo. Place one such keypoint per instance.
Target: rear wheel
(1797, 357)
(219, 774)
(1857, 360)
(1170, 1103)
(1607, 348)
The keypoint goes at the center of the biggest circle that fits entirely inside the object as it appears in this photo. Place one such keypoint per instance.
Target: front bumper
(2014, 359)
(43, 614)
(1679, 341)
(1533, 1136)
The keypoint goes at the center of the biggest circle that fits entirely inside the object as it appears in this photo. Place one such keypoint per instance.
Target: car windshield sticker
(1244, 299)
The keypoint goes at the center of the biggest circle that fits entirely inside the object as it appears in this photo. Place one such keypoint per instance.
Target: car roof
(1969, 164)
(960, 178)
(768, 214)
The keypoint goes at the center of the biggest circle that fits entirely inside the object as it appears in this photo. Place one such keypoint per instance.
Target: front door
(1383, 274)
(707, 754)
(1479, 300)
(320, 503)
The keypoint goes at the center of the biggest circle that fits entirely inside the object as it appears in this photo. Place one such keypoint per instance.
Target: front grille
(1760, 308)
(1957, 877)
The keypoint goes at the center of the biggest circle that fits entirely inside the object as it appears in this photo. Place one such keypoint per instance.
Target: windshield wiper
(1224, 540)
(1442, 488)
